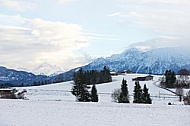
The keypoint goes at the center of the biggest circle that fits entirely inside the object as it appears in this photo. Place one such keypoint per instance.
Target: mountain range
(154, 61)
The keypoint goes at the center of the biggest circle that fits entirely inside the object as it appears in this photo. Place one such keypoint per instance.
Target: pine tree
(170, 78)
(124, 97)
(105, 75)
(108, 77)
(146, 96)
(137, 93)
(80, 88)
(173, 78)
(94, 95)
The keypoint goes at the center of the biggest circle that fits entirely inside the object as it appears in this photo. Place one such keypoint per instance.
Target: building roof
(6, 89)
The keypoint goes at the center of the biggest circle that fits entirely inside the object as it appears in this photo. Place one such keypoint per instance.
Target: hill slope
(61, 91)
(11, 77)
(53, 104)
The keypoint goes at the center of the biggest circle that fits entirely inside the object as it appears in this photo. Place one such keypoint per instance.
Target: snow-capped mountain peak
(154, 61)
(47, 69)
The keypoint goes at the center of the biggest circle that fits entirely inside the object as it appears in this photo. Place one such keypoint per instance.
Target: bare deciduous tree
(116, 94)
(183, 75)
(179, 92)
(186, 98)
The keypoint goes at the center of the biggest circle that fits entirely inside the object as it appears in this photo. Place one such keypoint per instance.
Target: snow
(155, 61)
(47, 69)
(54, 105)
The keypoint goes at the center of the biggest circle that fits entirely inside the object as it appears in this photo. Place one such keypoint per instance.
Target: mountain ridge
(155, 61)
(11, 77)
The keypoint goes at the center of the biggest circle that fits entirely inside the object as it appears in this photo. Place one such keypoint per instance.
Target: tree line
(90, 77)
(82, 79)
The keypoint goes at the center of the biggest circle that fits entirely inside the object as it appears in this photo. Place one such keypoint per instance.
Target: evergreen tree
(173, 78)
(83, 78)
(95, 77)
(94, 95)
(106, 74)
(146, 96)
(170, 78)
(124, 97)
(137, 93)
(80, 88)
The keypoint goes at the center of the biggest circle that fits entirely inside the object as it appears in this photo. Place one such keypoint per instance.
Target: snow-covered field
(54, 105)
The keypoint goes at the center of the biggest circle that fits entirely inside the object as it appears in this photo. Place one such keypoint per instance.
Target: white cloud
(97, 36)
(17, 4)
(161, 42)
(114, 14)
(165, 17)
(34, 41)
(65, 1)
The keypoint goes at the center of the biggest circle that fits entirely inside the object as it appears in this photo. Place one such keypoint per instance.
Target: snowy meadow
(54, 105)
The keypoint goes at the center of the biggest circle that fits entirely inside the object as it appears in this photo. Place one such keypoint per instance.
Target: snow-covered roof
(6, 89)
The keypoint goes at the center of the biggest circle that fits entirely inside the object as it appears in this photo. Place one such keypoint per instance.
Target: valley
(54, 104)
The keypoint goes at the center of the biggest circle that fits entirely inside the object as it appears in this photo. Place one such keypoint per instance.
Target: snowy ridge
(47, 69)
(154, 61)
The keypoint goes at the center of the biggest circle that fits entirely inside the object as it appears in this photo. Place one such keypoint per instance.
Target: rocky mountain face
(155, 61)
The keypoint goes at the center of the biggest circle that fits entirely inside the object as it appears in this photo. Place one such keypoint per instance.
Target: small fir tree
(137, 93)
(146, 96)
(94, 95)
(124, 97)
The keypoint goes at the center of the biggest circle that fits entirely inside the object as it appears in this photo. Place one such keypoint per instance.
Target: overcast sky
(70, 33)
